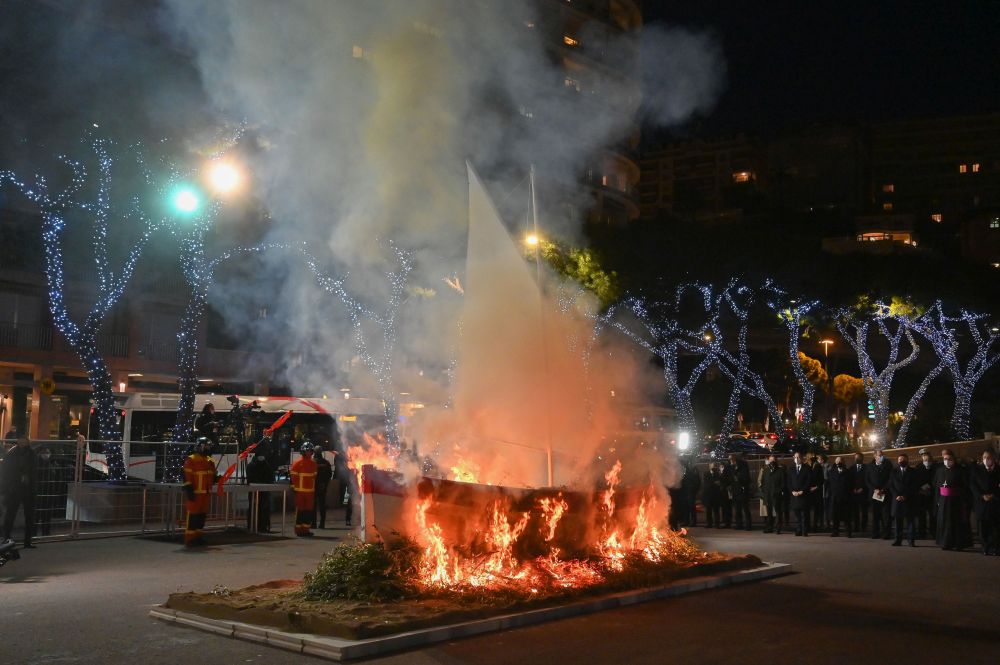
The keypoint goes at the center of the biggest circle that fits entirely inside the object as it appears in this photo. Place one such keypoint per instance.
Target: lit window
(963, 168)
(604, 180)
(937, 217)
(887, 207)
(888, 188)
(571, 82)
(995, 223)
(975, 167)
(358, 52)
(569, 41)
(742, 176)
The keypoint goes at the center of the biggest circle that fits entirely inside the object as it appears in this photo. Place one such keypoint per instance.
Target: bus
(146, 421)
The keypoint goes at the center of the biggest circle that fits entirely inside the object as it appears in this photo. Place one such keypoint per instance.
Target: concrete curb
(339, 649)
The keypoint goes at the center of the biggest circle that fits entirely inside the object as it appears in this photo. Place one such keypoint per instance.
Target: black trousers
(727, 511)
(801, 520)
(713, 514)
(320, 506)
(859, 511)
(881, 524)
(263, 513)
(690, 516)
(741, 504)
(775, 518)
(26, 502)
(926, 517)
(904, 521)
(840, 513)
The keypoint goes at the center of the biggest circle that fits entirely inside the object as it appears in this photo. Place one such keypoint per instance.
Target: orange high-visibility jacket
(304, 475)
(199, 473)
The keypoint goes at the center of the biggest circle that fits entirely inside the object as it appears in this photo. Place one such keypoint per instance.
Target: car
(735, 444)
(764, 439)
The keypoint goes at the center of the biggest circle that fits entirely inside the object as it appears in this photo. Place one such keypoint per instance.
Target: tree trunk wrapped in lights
(854, 325)
(792, 313)
(943, 334)
(380, 364)
(82, 336)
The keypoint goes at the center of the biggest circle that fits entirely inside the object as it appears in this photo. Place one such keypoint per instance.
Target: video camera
(8, 552)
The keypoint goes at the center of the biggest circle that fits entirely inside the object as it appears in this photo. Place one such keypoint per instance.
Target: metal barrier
(74, 499)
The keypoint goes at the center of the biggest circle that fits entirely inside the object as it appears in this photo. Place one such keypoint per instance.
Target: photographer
(207, 425)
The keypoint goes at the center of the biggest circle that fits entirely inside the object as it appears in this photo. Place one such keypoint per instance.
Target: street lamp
(531, 240)
(223, 177)
(185, 199)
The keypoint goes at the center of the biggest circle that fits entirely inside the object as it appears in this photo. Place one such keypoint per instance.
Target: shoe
(835, 535)
(850, 535)
(309, 534)
(896, 543)
(912, 544)
(749, 528)
(778, 532)
(322, 526)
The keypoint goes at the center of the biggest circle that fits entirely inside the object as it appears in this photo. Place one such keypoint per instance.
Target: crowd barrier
(74, 499)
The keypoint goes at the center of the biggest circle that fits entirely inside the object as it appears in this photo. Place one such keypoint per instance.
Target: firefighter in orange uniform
(303, 474)
(199, 478)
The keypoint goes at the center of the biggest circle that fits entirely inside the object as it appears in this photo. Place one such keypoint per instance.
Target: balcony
(43, 338)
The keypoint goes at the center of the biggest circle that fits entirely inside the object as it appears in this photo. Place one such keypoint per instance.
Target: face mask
(46, 457)
(902, 466)
(948, 463)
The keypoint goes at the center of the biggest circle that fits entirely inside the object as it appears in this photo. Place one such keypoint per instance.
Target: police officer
(924, 501)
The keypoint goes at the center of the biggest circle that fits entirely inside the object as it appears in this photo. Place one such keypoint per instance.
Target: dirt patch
(280, 604)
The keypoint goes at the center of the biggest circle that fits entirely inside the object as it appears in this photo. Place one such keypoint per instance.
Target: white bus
(146, 421)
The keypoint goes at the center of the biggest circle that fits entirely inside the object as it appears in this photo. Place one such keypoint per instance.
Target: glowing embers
(530, 544)
(465, 471)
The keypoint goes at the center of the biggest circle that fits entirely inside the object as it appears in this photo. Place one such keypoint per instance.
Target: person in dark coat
(985, 483)
(902, 493)
(800, 479)
(740, 474)
(949, 488)
(207, 424)
(839, 488)
(925, 503)
(260, 472)
(348, 485)
(712, 490)
(19, 478)
(817, 498)
(860, 501)
(690, 487)
(324, 474)
(877, 475)
(727, 494)
(772, 485)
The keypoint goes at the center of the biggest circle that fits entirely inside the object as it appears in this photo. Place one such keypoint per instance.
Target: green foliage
(365, 571)
(583, 266)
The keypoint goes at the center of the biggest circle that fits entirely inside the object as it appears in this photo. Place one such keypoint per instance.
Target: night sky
(798, 63)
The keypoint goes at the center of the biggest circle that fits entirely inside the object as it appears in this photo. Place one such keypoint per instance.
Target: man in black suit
(859, 494)
(877, 481)
(711, 495)
(740, 474)
(817, 496)
(800, 478)
(985, 485)
(772, 485)
(925, 515)
(690, 486)
(839, 486)
(902, 494)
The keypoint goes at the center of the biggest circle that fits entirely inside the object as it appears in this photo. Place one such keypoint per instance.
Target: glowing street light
(684, 440)
(185, 200)
(224, 177)
(826, 346)
(531, 240)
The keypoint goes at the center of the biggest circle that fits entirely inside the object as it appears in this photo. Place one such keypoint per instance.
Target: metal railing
(73, 497)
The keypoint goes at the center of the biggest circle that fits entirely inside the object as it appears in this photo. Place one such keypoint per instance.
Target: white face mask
(948, 463)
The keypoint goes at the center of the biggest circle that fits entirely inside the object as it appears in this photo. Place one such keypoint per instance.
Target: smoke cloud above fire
(365, 114)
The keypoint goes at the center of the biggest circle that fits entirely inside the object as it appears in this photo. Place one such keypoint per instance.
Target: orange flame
(374, 451)
(465, 471)
(552, 512)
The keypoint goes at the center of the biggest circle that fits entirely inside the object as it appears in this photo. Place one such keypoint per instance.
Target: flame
(373, 450)
(465, 471)
(492, 561)
(552, 512)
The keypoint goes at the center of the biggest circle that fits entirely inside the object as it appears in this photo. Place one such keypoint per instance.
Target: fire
(465, 471)
(374, 451)
(552, 512)
(496, 558)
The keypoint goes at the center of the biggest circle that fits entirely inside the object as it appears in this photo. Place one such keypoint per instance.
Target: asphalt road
(854, 600)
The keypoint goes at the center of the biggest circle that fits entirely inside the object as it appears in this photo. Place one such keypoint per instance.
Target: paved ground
(851, 600)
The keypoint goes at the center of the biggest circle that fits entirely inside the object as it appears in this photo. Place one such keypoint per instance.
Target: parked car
(764, 439)
(735, 444)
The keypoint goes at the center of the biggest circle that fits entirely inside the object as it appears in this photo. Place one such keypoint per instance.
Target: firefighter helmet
(202, 442)
(306, 447)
